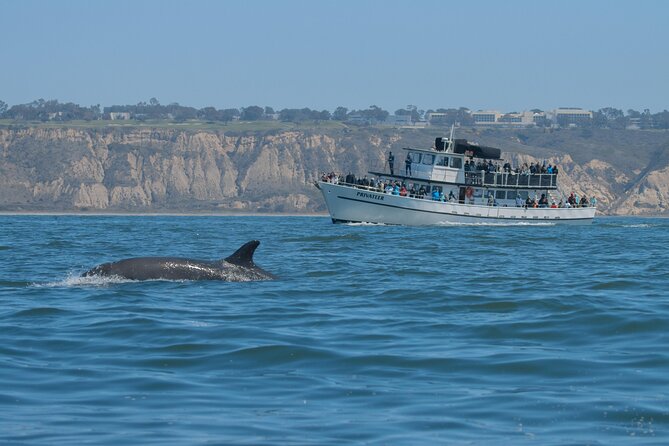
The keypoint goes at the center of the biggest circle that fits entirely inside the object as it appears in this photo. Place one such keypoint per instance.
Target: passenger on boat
(543, 201)
(435, 195)
(451, 196)
(553, 205)
(584, 202)
(403, 191)
(593, 201)
(407, 165)
(396, 189)
(391, 163)
(421, 192)
(491, 200)
(519, 201)
(412, 191)
(571, 200)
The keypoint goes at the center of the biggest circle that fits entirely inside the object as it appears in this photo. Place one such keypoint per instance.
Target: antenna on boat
(450, 139)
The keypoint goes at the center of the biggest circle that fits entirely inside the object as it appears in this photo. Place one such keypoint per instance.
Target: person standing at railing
(391, 163)
(407, 165)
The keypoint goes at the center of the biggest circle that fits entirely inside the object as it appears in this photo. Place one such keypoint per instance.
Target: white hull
(353, 204)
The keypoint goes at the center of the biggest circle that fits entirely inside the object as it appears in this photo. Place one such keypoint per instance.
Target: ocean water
(371, 335)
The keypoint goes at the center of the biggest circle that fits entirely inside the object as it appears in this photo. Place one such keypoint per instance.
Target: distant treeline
(52, 110)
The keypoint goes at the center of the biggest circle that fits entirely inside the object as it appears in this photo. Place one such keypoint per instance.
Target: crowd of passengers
(490, 167)
(572, 201)
(402, 189)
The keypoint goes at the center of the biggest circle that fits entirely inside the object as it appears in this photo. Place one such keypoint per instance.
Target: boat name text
(372, 196)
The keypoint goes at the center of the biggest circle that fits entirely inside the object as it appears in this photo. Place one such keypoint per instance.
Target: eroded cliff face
(148, 170)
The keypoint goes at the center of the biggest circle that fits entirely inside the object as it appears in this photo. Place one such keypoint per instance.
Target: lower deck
(363, 204)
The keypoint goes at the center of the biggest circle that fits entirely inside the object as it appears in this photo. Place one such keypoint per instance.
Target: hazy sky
(509, 55)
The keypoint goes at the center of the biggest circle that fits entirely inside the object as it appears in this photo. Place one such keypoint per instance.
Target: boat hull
(353, 204)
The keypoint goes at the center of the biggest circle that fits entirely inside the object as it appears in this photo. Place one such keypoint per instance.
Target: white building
(568, 115)
(485, 117)
(116, 116)
(495, 118)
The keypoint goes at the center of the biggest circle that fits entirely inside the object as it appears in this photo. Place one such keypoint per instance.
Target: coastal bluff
(156, 169)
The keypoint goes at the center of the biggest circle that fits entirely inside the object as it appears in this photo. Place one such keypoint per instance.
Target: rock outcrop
(166, 169)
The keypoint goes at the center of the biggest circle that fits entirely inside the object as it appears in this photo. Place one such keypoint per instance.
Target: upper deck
(447, 162)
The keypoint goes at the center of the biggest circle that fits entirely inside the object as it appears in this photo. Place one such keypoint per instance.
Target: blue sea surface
(372, 334)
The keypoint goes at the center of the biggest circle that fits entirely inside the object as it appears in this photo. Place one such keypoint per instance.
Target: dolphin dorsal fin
(244, 255)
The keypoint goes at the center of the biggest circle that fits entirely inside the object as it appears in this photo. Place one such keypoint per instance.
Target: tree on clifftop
(252, 113)
(340, 114)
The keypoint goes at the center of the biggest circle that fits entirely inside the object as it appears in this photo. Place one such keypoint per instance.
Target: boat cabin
(452, 168)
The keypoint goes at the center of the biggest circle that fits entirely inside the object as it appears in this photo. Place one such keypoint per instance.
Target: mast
(450, 139)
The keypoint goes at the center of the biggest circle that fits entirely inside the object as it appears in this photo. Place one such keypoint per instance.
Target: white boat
(476, 196)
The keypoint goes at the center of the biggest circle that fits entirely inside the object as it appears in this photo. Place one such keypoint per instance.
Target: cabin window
(523, 194)
(456, 163)
(500, 195)
(415, 157)
(442, 161)
(428, 159)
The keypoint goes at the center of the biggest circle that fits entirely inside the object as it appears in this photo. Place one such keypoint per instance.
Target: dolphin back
(238, 267)
(244, 255)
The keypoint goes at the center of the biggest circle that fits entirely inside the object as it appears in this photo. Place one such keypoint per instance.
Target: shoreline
(220, 214)
(158, 214)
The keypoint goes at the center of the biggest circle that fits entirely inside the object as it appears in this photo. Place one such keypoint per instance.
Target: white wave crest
(364, 224)
(73, 280)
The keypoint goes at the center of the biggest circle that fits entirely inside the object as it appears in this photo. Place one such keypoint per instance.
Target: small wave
(60, 244)
(14, 283)
(78, 281)
(40, 311)
(325, 238)
(101, 281)
(615, 285)
(280, 354)
(638, 225)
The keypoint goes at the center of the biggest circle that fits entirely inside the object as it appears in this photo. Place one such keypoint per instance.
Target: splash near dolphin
(238, 267)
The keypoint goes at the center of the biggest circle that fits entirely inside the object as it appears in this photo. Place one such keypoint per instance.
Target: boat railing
(428, 196)
(493, 179)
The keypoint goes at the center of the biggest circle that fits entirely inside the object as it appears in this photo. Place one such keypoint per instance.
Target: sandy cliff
(140, 169)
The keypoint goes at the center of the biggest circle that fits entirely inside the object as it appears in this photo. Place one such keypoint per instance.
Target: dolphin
(238, 267)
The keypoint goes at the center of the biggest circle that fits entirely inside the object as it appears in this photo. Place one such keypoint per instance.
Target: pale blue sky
(509, 55)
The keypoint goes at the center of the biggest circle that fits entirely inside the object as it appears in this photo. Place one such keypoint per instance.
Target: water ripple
(373, 335)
